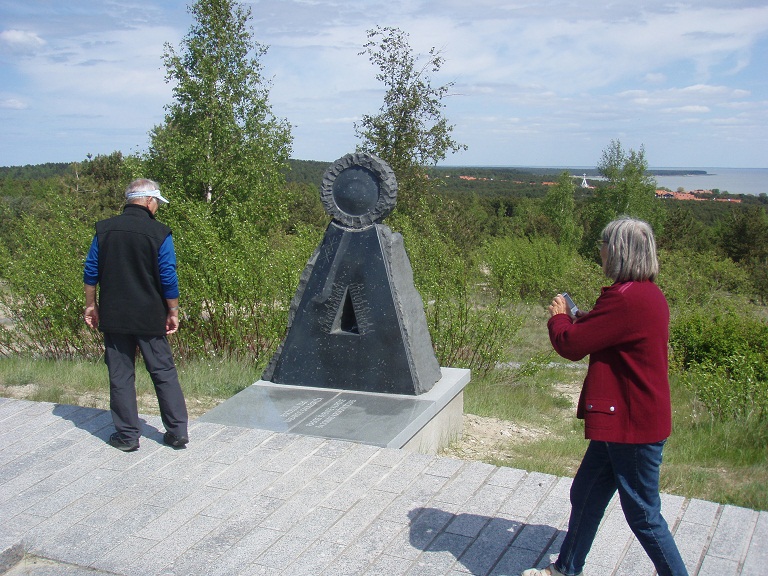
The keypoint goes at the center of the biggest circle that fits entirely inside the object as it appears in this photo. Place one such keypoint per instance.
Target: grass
(725, 462)
(205, 383)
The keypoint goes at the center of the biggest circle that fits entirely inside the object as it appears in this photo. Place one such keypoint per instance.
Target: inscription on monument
(330, 414)
(298, 410)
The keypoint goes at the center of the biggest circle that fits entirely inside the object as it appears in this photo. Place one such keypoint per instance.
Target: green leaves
(220, 142)
(524, 269)
(629, 190)
(44, 287)
(410, 131)
(236, 284)
(722, 358)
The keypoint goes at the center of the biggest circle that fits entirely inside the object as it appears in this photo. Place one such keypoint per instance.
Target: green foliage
(470, 328)
(99, 184)
(629, 190)
(684, 231)
(722, 358)
(220, 142)
(527, 219)
(744, 233)
(734, 387)
(538, 268)
(757, 268)
(309, 172)
(466, 220)
(700, 279)
(712, 333)
(305, 207)
(235, 286)
(410, 131)
(559, 207)
(34, 172)
(44, 286)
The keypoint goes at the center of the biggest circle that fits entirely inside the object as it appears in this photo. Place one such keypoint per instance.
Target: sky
(535, 82)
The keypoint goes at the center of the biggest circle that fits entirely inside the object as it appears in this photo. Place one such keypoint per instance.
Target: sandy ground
(484, 438)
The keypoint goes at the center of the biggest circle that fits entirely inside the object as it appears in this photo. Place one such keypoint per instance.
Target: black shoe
(176, 441)
(124, 445)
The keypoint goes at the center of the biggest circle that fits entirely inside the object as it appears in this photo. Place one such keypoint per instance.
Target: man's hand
(172, 321)
(91, 316)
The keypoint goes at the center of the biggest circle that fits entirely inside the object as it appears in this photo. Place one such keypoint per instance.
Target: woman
(624, 402)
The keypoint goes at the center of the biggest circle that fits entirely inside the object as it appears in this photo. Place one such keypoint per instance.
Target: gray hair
(140, 185)
(631, 250)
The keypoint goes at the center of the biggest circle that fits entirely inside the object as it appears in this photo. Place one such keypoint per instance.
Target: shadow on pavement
(481, 543)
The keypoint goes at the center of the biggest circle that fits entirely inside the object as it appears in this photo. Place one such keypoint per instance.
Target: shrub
(734, 388)
(538, 268)
(722, 358)
(470, 326)
(44, 286)
(235, 285)
(689, 278)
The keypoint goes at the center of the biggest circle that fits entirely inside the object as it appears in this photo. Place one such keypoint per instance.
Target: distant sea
(731, 180)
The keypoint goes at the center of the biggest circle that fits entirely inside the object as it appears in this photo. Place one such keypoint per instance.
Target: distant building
(698, 195)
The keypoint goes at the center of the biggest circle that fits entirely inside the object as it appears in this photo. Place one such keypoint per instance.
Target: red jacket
(625, 397)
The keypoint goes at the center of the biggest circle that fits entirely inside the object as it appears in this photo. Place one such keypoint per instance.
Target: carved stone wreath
(359, 190)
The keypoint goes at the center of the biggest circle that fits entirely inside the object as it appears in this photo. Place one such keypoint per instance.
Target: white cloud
(21, 41)
(687, 110)
(12, 104)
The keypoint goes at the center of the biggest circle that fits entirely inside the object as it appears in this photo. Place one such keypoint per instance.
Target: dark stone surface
(357, 321)
(358, 190)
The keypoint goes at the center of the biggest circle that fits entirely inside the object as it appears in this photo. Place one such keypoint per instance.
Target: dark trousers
(120, 357)
(633, 470)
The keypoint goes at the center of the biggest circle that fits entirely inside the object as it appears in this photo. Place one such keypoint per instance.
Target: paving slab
(245, 500)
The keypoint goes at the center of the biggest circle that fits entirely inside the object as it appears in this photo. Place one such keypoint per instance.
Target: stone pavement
(250, 501)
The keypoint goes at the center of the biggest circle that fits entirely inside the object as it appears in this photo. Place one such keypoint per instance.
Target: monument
(357, 321)
(357, 361)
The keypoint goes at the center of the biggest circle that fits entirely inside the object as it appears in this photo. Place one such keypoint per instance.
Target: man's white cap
(145, 193)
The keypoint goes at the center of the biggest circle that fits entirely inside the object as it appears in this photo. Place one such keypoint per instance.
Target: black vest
(130, 293)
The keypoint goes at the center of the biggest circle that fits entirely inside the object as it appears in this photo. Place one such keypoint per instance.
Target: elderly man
(132, 260)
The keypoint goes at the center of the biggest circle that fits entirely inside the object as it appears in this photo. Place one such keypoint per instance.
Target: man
(133, 261)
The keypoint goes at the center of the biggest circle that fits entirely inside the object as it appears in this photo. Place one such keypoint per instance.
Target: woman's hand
(559, 306)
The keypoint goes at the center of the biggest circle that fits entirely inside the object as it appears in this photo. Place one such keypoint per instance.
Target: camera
(570, 303)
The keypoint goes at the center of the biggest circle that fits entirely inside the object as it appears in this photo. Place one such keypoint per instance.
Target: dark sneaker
(176, 441)
(124, 445)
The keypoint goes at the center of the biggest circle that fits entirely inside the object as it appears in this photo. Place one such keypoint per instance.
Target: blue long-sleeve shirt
(166, 260)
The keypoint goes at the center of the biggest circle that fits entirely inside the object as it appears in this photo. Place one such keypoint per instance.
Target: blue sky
(537, 82)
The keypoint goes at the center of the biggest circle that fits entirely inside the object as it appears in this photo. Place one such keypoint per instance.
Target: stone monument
(356, 363)
(357, 321)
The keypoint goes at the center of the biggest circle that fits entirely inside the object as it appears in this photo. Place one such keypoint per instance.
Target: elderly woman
(624, 402)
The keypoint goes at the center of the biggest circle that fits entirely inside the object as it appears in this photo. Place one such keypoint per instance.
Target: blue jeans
(633, 470)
